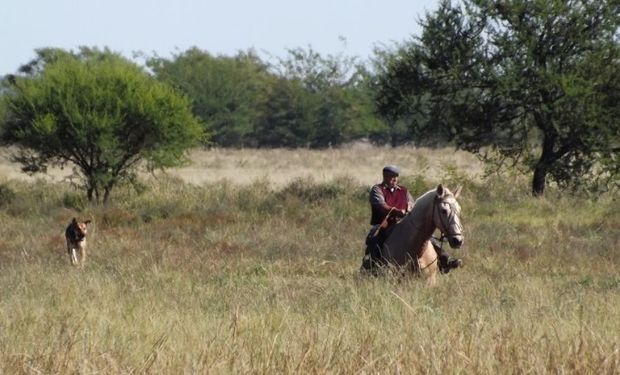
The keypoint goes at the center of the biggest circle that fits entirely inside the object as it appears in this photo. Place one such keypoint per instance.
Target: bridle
(445, 223)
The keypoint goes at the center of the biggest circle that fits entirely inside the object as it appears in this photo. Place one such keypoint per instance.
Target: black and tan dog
(76, 241)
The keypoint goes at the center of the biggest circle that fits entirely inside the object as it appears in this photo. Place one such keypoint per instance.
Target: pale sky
(223, 27)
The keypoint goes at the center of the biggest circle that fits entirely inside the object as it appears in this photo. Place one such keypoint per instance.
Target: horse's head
(446, 215)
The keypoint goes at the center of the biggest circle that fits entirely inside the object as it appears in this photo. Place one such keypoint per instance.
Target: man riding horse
(389, 202)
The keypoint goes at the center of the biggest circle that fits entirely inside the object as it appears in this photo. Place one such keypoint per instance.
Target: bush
(74, 201)
(306, 190)
(7, 195)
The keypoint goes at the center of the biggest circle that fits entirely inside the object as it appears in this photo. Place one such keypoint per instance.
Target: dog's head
(78, 229)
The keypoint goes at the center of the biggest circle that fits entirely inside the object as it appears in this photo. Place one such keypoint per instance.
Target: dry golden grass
(360, 162)
(256, 278)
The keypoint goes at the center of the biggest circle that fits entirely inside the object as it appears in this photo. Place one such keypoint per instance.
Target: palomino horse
(408, 244)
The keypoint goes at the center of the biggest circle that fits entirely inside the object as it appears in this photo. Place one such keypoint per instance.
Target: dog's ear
(74, 221)
(87, 222)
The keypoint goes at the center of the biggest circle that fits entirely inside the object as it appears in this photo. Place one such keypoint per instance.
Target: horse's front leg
(428, 263)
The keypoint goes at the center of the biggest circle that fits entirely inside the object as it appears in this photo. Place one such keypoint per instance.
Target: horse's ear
(458, 191)
(440, 191)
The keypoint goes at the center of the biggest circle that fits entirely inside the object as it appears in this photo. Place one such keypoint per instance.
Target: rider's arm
(410, 202)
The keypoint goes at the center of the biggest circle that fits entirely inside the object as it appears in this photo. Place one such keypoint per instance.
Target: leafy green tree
(224, 90)
(96, 111)
(337, 103)
(534, 80)
(285, 115)
(394, 130)
(316, 72)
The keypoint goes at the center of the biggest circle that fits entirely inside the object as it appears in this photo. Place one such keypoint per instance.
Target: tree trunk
(538, 182)
(92, 192)
(106, 195)
(547, 158)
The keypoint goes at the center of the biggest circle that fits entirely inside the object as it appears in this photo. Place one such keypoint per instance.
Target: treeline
(528, 85)
(302, 100)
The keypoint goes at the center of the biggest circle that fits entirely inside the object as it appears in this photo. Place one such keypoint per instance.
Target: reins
(384, 223)
(428, 265)
(441, 239)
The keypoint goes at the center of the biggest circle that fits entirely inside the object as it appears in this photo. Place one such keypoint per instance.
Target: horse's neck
(418, 226)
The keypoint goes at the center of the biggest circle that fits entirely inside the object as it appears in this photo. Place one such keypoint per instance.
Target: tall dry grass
(261, 277)
(358, 161)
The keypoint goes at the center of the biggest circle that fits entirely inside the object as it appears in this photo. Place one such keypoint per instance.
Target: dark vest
(396, 198)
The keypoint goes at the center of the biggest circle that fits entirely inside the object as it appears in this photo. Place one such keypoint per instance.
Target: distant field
(259, 275)
(360, 162)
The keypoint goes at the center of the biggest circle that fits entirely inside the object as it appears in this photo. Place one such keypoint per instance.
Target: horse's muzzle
(456, 241)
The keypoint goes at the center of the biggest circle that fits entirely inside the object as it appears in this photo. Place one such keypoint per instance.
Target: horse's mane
(420, 209)
(430, 195)
(424, 199)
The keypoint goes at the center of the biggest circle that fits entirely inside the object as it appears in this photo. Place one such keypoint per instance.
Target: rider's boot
(371, 261)
(446, 263)
(372, 258)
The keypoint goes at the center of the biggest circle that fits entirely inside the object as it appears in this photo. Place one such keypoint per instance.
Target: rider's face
(390, 179)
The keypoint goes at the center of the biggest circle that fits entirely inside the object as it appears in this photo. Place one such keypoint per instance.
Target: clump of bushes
(308, 191)
(7, 195)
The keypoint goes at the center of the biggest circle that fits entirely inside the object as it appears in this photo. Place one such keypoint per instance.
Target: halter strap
(428, 265)
(444, 224)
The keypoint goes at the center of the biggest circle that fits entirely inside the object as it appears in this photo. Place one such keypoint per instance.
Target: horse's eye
(444, 211)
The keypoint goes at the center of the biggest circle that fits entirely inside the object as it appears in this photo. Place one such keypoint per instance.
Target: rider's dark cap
(391, 169)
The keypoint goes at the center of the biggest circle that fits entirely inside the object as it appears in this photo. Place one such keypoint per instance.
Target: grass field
(206, 270)
(359, 162)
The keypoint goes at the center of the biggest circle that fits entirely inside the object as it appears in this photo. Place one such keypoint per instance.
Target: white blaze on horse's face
(446, 214)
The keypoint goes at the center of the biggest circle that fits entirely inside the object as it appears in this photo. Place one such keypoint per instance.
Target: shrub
(7, 195)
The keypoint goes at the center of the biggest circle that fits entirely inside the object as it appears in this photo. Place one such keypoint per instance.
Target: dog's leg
(74, 259)
(82, 256)
(71, 251)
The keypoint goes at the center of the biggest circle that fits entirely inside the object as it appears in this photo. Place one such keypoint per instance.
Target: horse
(408, 244)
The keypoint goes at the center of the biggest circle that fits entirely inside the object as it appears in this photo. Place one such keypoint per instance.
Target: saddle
(374, 246)
(377, 235)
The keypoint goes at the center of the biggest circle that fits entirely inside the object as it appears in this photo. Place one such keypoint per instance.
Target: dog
(76, 241)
